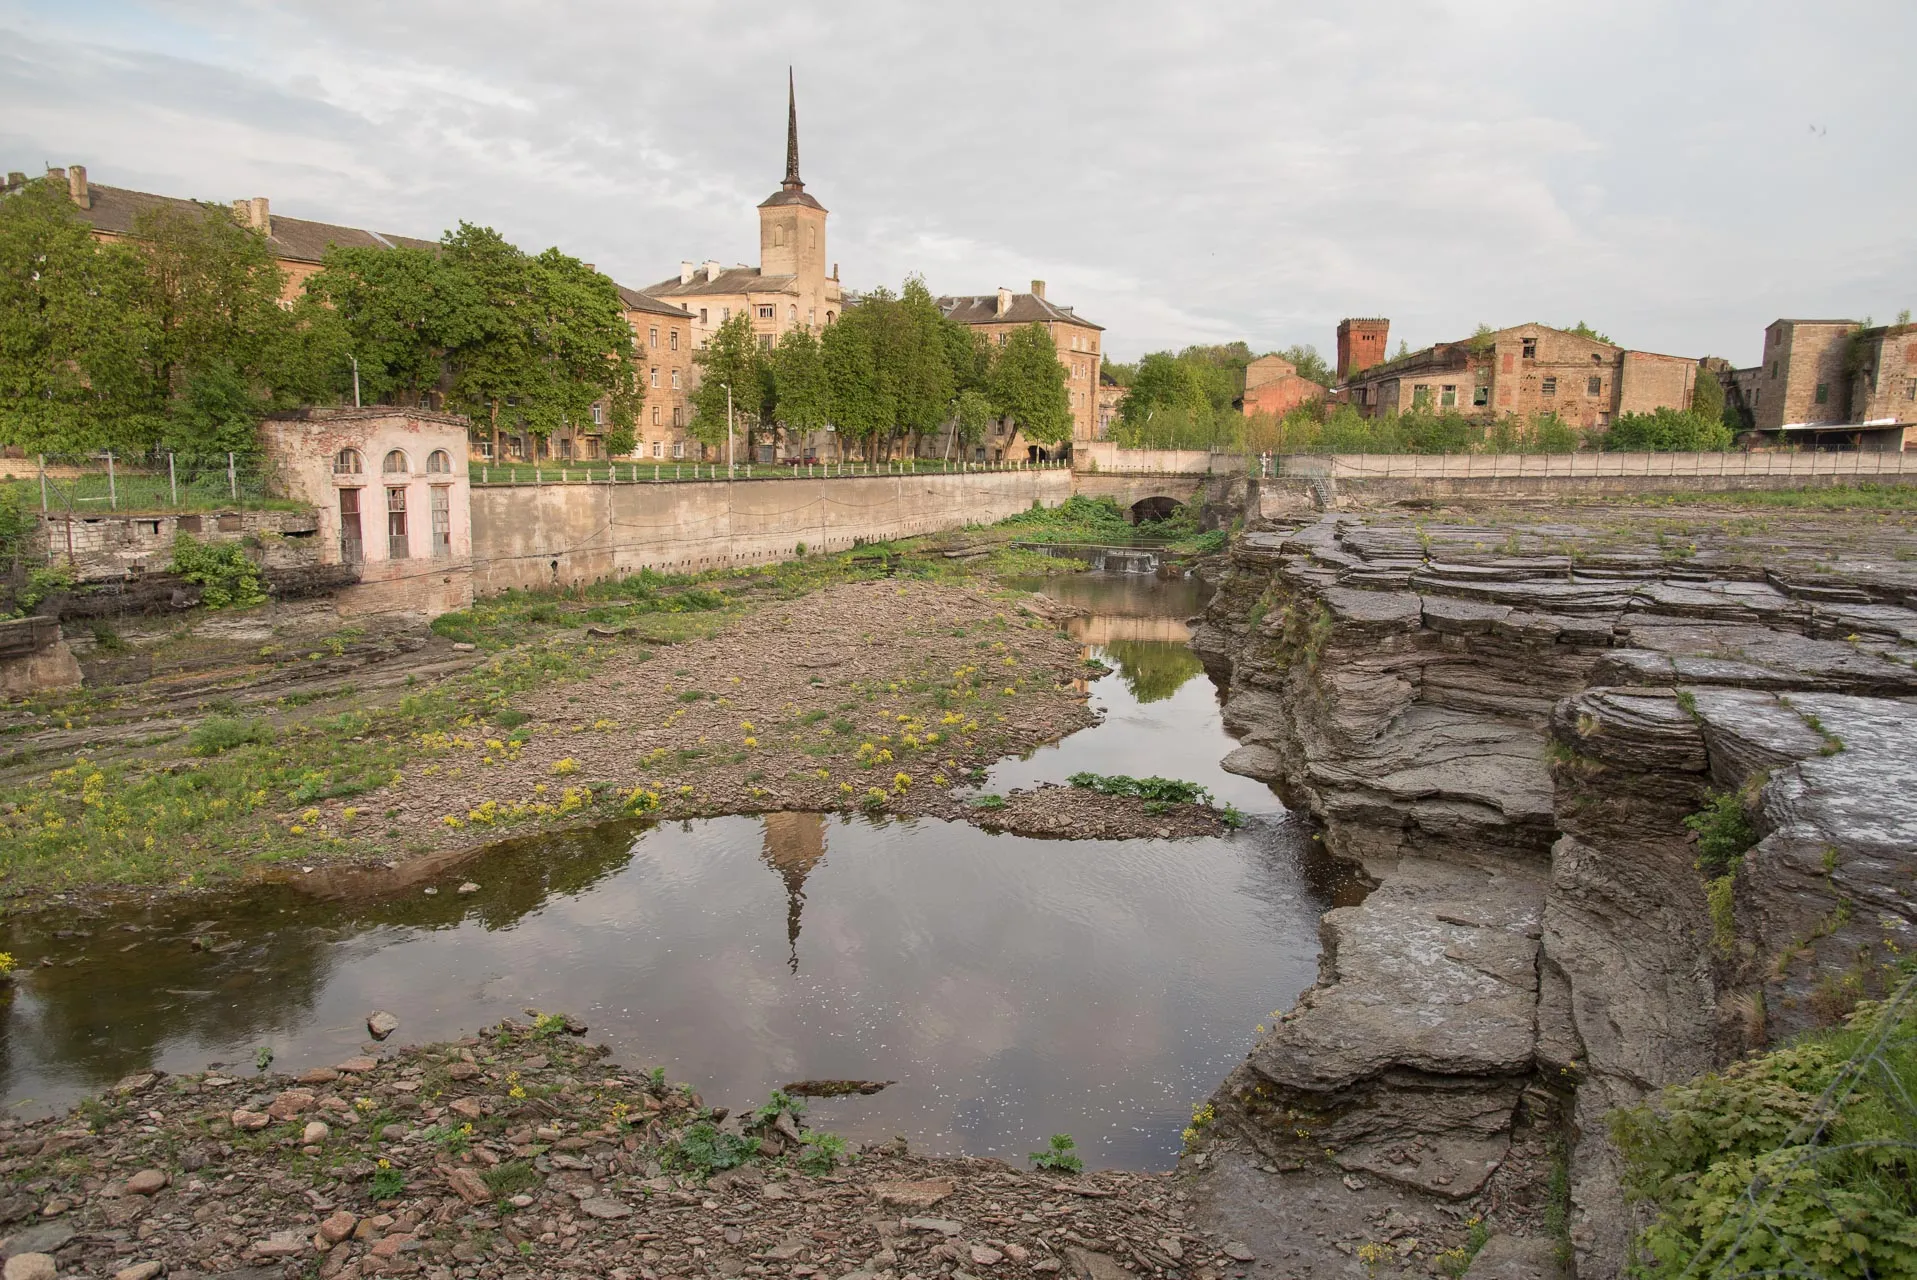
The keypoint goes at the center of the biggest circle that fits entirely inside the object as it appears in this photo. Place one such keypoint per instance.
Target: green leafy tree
(800, 394)
(1164, 385)
(74, 371)
(1584, 330)
(925, 378)
(860, 399)
(224, 352)
(1310, 365)
(1666, 430)
(397, 309)
(1028, 386)
(730, 358)
(532, 341)
(1707, 397)
(971, 414)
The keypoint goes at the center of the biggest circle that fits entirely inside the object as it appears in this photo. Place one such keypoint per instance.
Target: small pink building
(391, 489)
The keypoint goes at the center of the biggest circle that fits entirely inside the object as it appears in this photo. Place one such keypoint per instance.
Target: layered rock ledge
(1506, 726)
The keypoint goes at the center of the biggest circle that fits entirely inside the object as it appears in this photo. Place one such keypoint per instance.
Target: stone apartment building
(1111, 403)
(998, 315)
(789, 287)
(1272, 385)
(1832, 384)
(1528, 369)
(298, 244)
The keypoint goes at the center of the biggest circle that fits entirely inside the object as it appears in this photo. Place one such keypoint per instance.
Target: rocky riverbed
(1507, 722)
(524, 1152)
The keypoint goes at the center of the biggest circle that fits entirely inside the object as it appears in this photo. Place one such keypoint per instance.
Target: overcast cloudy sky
(1676, 174)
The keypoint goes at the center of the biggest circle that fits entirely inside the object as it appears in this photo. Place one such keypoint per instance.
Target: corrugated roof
(1026, 308)
(116, 210)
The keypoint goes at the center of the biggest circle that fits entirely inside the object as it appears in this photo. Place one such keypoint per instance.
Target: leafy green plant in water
(779, 1103)
(1058, 1155)
(990, 800)
(226, 577)
(263, 1057)
(1153, 788)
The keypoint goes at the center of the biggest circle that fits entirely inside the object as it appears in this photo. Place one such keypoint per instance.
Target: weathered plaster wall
(538, 535)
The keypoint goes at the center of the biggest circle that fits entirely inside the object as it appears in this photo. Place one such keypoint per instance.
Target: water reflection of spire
(794, 844)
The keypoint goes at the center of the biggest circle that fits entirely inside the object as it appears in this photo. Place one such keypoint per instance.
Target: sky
(1676, 174)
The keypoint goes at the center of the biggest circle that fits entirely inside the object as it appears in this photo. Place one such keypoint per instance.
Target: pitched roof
(116, 209)
(728, 280)
(1026, 308)
(786, 195)
(637, 301)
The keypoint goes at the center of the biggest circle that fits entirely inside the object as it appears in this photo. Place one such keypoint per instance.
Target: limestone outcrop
(1508, 727)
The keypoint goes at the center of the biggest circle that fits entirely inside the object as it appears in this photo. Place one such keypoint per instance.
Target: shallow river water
(1012, 987)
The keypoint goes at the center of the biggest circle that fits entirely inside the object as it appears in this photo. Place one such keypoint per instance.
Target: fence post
(232, 479)
(113, 493)
(172, 481)
(43, 484)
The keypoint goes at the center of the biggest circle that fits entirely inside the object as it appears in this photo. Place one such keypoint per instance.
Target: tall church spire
(792, 182)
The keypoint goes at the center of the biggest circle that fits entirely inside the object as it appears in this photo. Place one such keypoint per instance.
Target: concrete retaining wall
(541, 535)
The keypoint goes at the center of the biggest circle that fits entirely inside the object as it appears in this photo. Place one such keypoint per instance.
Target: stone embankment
(522, 1153)
(1507, 728)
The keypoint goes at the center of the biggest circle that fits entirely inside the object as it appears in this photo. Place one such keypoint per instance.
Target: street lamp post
(355, 360)
(728, 431)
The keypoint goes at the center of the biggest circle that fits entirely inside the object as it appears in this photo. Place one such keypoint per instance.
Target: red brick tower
(1361, 344)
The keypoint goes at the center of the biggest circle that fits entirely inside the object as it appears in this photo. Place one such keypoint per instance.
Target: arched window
(829, 317)
(440, 463)
(396, 463)
(347, 463)
(793, 313)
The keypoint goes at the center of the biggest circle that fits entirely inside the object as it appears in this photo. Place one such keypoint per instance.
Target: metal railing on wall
(1499, 466)
(523, 473)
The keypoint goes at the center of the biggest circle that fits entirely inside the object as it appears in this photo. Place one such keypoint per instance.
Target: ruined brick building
(1831, 384)
(1527, 370)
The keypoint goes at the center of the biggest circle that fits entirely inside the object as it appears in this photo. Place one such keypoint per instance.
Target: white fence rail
(1499, 466)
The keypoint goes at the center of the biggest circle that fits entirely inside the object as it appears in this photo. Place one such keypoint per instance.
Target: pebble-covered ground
(522, 1152)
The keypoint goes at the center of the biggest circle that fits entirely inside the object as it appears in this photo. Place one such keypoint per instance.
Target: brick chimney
(1004, 302)
(1038, 290)
(77, 186)
(685, 272)
(255, 214)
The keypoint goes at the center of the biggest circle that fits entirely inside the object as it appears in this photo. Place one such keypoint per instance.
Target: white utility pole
(355, 360)
(728, 431)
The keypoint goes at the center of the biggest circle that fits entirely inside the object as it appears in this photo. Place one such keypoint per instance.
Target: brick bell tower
(1361, 344)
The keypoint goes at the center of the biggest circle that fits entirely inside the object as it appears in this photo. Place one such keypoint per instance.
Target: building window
(439, 463)
(486, 449)
(1550, 387)
(442, 521)
(678, 415)
(1823, 392)
(658, 448)
(598, 414)
(1593, 386)
(1448, 397)
(725, 314)
(765, 342)
(1530, 348)
(347, 462)
(565, 447)
(350, 549)
(766, 313)
(396, 464)
(1420, 395)
(396, 524)
(652, 336)
(1360, 395)
(1773, 368)
(1481, 396)
(672, 340)
(1910, 389)
(655, 415)
(811, 317)
(792, 314)
(655, 375)
(678, 448)
(828, 317)
(702, 316)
